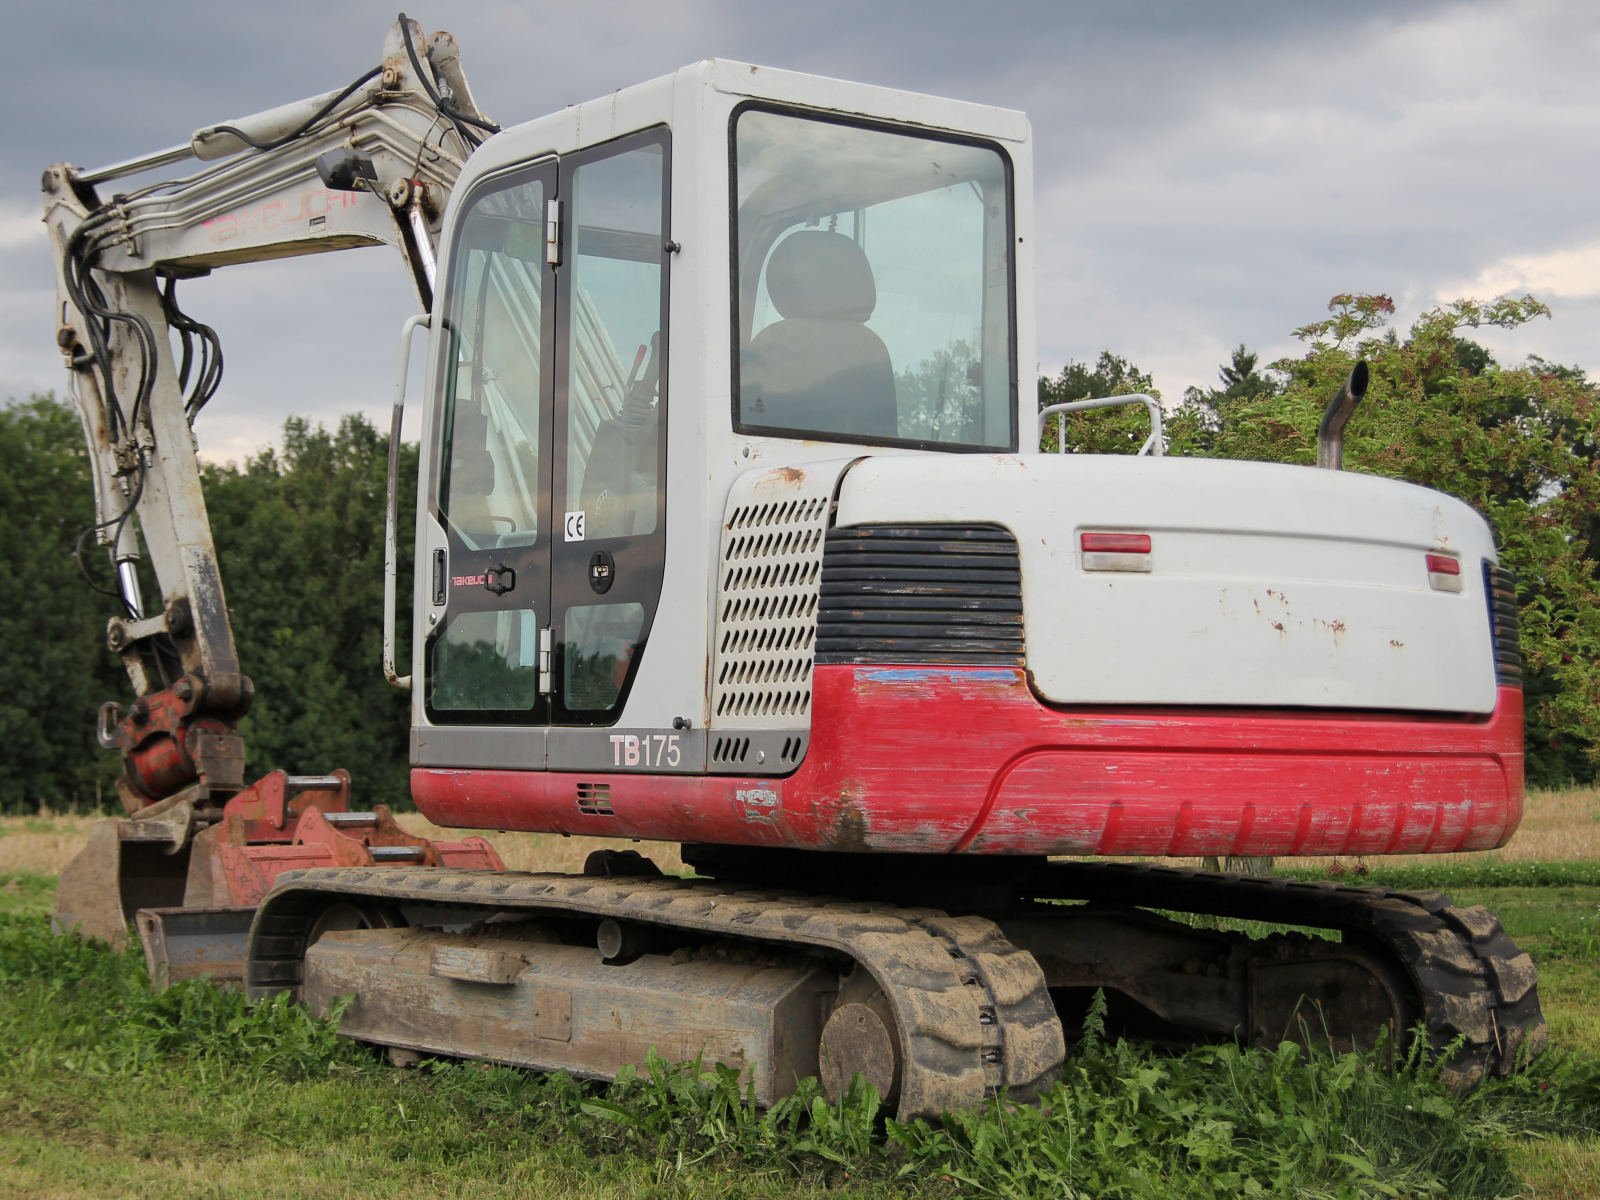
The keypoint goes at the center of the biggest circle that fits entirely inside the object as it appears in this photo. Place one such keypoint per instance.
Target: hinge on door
(546, 638)
(552, 232)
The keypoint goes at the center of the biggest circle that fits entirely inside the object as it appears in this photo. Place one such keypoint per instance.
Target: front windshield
(492, 394)
(874, 284)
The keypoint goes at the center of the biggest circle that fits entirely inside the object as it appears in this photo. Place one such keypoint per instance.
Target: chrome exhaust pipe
(1330, 435)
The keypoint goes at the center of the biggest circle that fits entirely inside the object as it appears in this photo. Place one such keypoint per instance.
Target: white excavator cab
(644, 298)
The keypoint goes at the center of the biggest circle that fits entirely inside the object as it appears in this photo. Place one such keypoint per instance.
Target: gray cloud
(1206, 173)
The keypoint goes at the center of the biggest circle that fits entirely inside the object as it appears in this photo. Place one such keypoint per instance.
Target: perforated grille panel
(771, 563)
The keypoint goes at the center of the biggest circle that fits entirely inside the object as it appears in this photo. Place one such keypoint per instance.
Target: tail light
(1444, 573)
(1115, 551)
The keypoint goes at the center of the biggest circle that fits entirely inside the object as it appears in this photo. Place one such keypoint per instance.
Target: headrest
(815, 273)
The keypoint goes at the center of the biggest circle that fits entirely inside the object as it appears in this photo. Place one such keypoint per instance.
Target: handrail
(1153, 445)
(391, 512)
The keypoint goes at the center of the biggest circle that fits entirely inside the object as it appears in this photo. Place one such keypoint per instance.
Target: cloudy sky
(1208, 173)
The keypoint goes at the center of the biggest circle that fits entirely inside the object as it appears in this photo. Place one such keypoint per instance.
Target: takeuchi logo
(469, 580)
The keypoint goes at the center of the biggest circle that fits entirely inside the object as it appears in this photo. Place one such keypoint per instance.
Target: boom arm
(372, 164)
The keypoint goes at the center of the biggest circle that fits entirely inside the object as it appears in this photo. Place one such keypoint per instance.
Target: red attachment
(1443, 564)
(264, 833)
(266, 814)
(159, 766)
(966, 759)
(250, 871)
(167, 745)
(1115, 543)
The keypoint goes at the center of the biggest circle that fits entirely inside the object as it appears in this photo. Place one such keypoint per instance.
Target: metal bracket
(552, 232)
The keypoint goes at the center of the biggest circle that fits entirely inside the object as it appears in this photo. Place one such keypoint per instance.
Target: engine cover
(1263, 584)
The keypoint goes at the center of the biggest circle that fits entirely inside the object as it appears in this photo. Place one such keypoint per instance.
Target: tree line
(299, 535)
(299, 532)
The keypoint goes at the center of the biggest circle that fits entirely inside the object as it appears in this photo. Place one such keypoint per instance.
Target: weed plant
(1125, 1122)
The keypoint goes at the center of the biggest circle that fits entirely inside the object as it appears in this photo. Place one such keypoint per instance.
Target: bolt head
(183, 690)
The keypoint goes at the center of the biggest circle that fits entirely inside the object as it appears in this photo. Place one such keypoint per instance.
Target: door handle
(391, 507)
(491, 579)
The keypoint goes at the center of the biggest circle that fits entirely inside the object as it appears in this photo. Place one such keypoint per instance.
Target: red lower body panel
(939, 760)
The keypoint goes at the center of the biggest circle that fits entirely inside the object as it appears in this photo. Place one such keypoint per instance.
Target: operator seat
(820, 367)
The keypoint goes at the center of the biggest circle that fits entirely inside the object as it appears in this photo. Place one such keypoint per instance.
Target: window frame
(917, 131)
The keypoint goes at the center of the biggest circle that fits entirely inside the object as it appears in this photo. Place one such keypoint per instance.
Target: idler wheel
(861, 1038)
(338, 918)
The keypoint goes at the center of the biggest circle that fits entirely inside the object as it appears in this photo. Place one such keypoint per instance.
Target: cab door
(491, 493)
(610, 468)
(551, 465)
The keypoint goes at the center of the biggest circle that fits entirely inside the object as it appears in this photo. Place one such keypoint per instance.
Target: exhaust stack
(1330, 435)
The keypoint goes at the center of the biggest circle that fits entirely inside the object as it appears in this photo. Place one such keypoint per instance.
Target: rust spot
(782, 476)
(849, 827)
(1276, 626)
(1397, 645)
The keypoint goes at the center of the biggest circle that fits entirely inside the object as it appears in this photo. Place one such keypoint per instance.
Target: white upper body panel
(1268, 585)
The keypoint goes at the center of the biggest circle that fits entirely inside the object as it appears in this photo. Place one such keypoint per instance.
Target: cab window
(873, 284)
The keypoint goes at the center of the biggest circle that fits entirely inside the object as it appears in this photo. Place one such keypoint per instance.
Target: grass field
(108, 1091)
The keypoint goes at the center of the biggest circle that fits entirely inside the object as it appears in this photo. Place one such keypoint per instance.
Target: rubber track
(1471, 980)
(973, 1011)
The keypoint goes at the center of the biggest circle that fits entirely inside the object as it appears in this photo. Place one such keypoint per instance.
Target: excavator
(733, 530)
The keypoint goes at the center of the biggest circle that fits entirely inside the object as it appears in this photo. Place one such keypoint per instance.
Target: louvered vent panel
(1500, 587)
(767, 601)
(921, 594)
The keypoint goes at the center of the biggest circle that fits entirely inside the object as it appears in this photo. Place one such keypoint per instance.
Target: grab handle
(1153, 445)
(391, 511)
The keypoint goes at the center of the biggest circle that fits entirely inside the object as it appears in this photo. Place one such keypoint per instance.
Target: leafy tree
(299, 536)
(1240, 381)
(54, 666)
(300, 541)
(1518, 443)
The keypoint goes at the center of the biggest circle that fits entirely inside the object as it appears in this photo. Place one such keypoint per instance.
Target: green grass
(107, 1090)
(1454, 877)
(24, 892)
